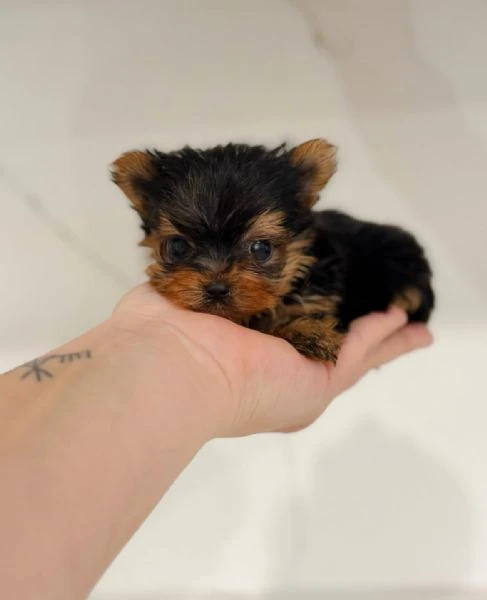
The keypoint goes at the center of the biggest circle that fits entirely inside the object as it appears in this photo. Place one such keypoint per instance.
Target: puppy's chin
(220, 309)
(231, 310)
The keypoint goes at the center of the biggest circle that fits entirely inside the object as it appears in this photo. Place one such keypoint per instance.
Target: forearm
(85, 454)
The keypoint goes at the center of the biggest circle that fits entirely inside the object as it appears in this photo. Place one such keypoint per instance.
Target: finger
(372, 329)
(292, 429)
(409, 338)
(365, 334)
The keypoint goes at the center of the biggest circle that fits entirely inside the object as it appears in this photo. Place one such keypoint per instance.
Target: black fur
(366, 265)
(211, 195)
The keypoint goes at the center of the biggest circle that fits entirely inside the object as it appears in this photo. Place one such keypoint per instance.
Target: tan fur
(309, 305)
(183, 288)
(297, 263)
(409, 300)
(126, 169)
(166, 229)
(320, 157)
(268, 226)
(150, 241)
(315, 338)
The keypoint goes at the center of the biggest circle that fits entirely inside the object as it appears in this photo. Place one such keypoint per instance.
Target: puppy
(232, 233)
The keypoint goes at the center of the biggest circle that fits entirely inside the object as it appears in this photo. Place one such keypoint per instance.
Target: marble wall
(388, 490)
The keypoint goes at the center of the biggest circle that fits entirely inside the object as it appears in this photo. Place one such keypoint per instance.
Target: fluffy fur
(211, 216)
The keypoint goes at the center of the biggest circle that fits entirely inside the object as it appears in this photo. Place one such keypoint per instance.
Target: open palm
(271, 386)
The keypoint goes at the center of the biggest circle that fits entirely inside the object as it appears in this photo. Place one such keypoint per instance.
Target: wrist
(100, 441)
(163, 358)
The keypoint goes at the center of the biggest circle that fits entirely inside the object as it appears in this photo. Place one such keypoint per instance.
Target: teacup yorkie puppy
(232, 233)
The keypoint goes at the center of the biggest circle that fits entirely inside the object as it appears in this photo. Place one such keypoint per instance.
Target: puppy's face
(229, 227)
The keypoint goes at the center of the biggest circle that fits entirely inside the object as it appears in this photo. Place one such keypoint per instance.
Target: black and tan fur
(324, 270)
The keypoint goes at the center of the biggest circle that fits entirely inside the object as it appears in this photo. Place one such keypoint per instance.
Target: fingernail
(428, 338)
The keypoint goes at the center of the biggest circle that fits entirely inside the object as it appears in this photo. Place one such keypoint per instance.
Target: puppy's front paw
(314, 347)
(315, 339)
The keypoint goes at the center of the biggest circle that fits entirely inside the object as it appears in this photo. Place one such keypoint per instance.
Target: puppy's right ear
(133, 172)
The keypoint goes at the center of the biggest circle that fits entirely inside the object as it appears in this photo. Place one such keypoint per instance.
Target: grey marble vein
(316, 36)
(34, 203)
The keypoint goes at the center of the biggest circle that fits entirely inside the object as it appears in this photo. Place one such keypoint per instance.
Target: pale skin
(88, 449)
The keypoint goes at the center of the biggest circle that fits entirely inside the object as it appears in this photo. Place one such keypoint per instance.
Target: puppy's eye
(177, 249)
(261, 250)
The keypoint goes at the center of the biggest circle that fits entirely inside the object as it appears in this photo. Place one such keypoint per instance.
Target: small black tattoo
(36, 368)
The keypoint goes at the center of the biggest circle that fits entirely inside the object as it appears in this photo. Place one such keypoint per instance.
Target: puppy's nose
(217, 290)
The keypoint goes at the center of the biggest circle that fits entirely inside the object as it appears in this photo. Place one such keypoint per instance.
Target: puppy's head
(229, 227)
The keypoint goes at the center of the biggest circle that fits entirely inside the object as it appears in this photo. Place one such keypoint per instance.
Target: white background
(388, 491)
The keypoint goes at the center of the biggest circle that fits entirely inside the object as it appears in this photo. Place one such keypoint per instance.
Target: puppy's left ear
(317, 160)
(132, 172)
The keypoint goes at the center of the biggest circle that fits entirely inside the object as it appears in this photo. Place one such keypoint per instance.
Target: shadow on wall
(380, 511)
(408, 115)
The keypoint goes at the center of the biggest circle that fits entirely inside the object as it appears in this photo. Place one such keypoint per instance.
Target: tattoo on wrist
(37, 368)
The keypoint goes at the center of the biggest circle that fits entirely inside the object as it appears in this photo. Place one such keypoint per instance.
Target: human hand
(270, 386)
